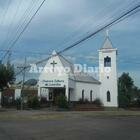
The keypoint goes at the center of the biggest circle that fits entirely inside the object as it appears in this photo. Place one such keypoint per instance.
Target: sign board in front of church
(54, 83)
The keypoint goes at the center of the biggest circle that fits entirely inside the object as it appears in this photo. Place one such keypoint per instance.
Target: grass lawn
(53, 115)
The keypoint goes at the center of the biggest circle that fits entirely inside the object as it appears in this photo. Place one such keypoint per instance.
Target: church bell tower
(108, 74)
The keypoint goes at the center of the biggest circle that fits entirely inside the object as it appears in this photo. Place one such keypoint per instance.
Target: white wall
(53, 76)
(111, 83)
(87, 87)
(17, 93)
(71, 83)
(44, 93)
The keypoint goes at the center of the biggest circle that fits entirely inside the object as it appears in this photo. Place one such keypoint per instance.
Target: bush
(123, 101)
(81, 101)
(97, 102)
(61, 102)
(33, 102)
(135, 103)
(86, 101)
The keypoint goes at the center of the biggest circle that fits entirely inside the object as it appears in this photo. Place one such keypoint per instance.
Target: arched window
(107, 62)
(91, 95)
(108, 96)
(83, 92)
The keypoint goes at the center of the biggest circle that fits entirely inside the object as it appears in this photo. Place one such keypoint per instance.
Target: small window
(107, 62)
(91, 95)
(108, 96)
(83, 94)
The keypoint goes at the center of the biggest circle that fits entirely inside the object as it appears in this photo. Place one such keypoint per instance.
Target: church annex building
(77, 86)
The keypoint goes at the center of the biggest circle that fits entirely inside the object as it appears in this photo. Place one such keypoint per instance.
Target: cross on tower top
(107, 32)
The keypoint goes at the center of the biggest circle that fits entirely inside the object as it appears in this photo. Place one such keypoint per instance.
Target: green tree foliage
(128, 92)
(123, 101)
(126, 84)
(62, 102)
(7, 75)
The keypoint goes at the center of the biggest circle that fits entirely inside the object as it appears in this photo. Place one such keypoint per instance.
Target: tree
(128, 92)
(125, 85)
(33, 102)
(7, 75)
(62, 102)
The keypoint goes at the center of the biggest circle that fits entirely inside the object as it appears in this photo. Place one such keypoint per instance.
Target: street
(71, 127)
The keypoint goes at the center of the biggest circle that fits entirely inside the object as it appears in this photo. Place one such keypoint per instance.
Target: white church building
(60, 77)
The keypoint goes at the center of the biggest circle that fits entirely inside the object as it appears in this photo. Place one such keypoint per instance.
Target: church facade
(60, 78)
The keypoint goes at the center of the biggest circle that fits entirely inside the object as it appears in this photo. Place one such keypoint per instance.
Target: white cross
(107, 32)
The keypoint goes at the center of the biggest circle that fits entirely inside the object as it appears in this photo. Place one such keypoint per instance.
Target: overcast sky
(60, 23)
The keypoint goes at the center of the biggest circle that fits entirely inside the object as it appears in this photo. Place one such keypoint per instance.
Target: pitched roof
(66, 63)
(79, 77)
(86, 78)
(107, 44)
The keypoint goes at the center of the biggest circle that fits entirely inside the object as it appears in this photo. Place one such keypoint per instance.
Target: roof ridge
(104, 43)
(65, 59)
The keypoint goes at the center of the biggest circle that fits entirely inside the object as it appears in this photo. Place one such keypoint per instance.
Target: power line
(97, 14)
(5, 11)
(94, 58)
(24, 18)
(129, 5)
(19, 27)
(102, 28)
(91, 22)
(16, 51)
(15, 41)
(11, 23)
(117, 20)
(81, 25)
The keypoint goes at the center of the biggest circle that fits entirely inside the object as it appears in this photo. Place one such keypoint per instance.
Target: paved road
(81, 128)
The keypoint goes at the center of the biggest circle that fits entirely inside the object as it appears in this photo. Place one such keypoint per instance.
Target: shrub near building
(33, 102)
(62, 102)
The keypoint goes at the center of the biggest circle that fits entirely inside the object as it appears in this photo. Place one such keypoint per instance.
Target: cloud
(60, 23)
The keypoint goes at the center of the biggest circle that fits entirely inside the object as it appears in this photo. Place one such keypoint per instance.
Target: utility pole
(23, 81)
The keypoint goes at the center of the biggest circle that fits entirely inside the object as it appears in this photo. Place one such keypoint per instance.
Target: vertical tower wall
(108, 76)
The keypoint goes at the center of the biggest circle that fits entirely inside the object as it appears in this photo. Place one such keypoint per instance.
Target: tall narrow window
(107, 62)
(108, 96)
(91, 95)
(83, 94)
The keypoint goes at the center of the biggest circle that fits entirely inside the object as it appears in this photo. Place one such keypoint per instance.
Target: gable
(49, 65)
